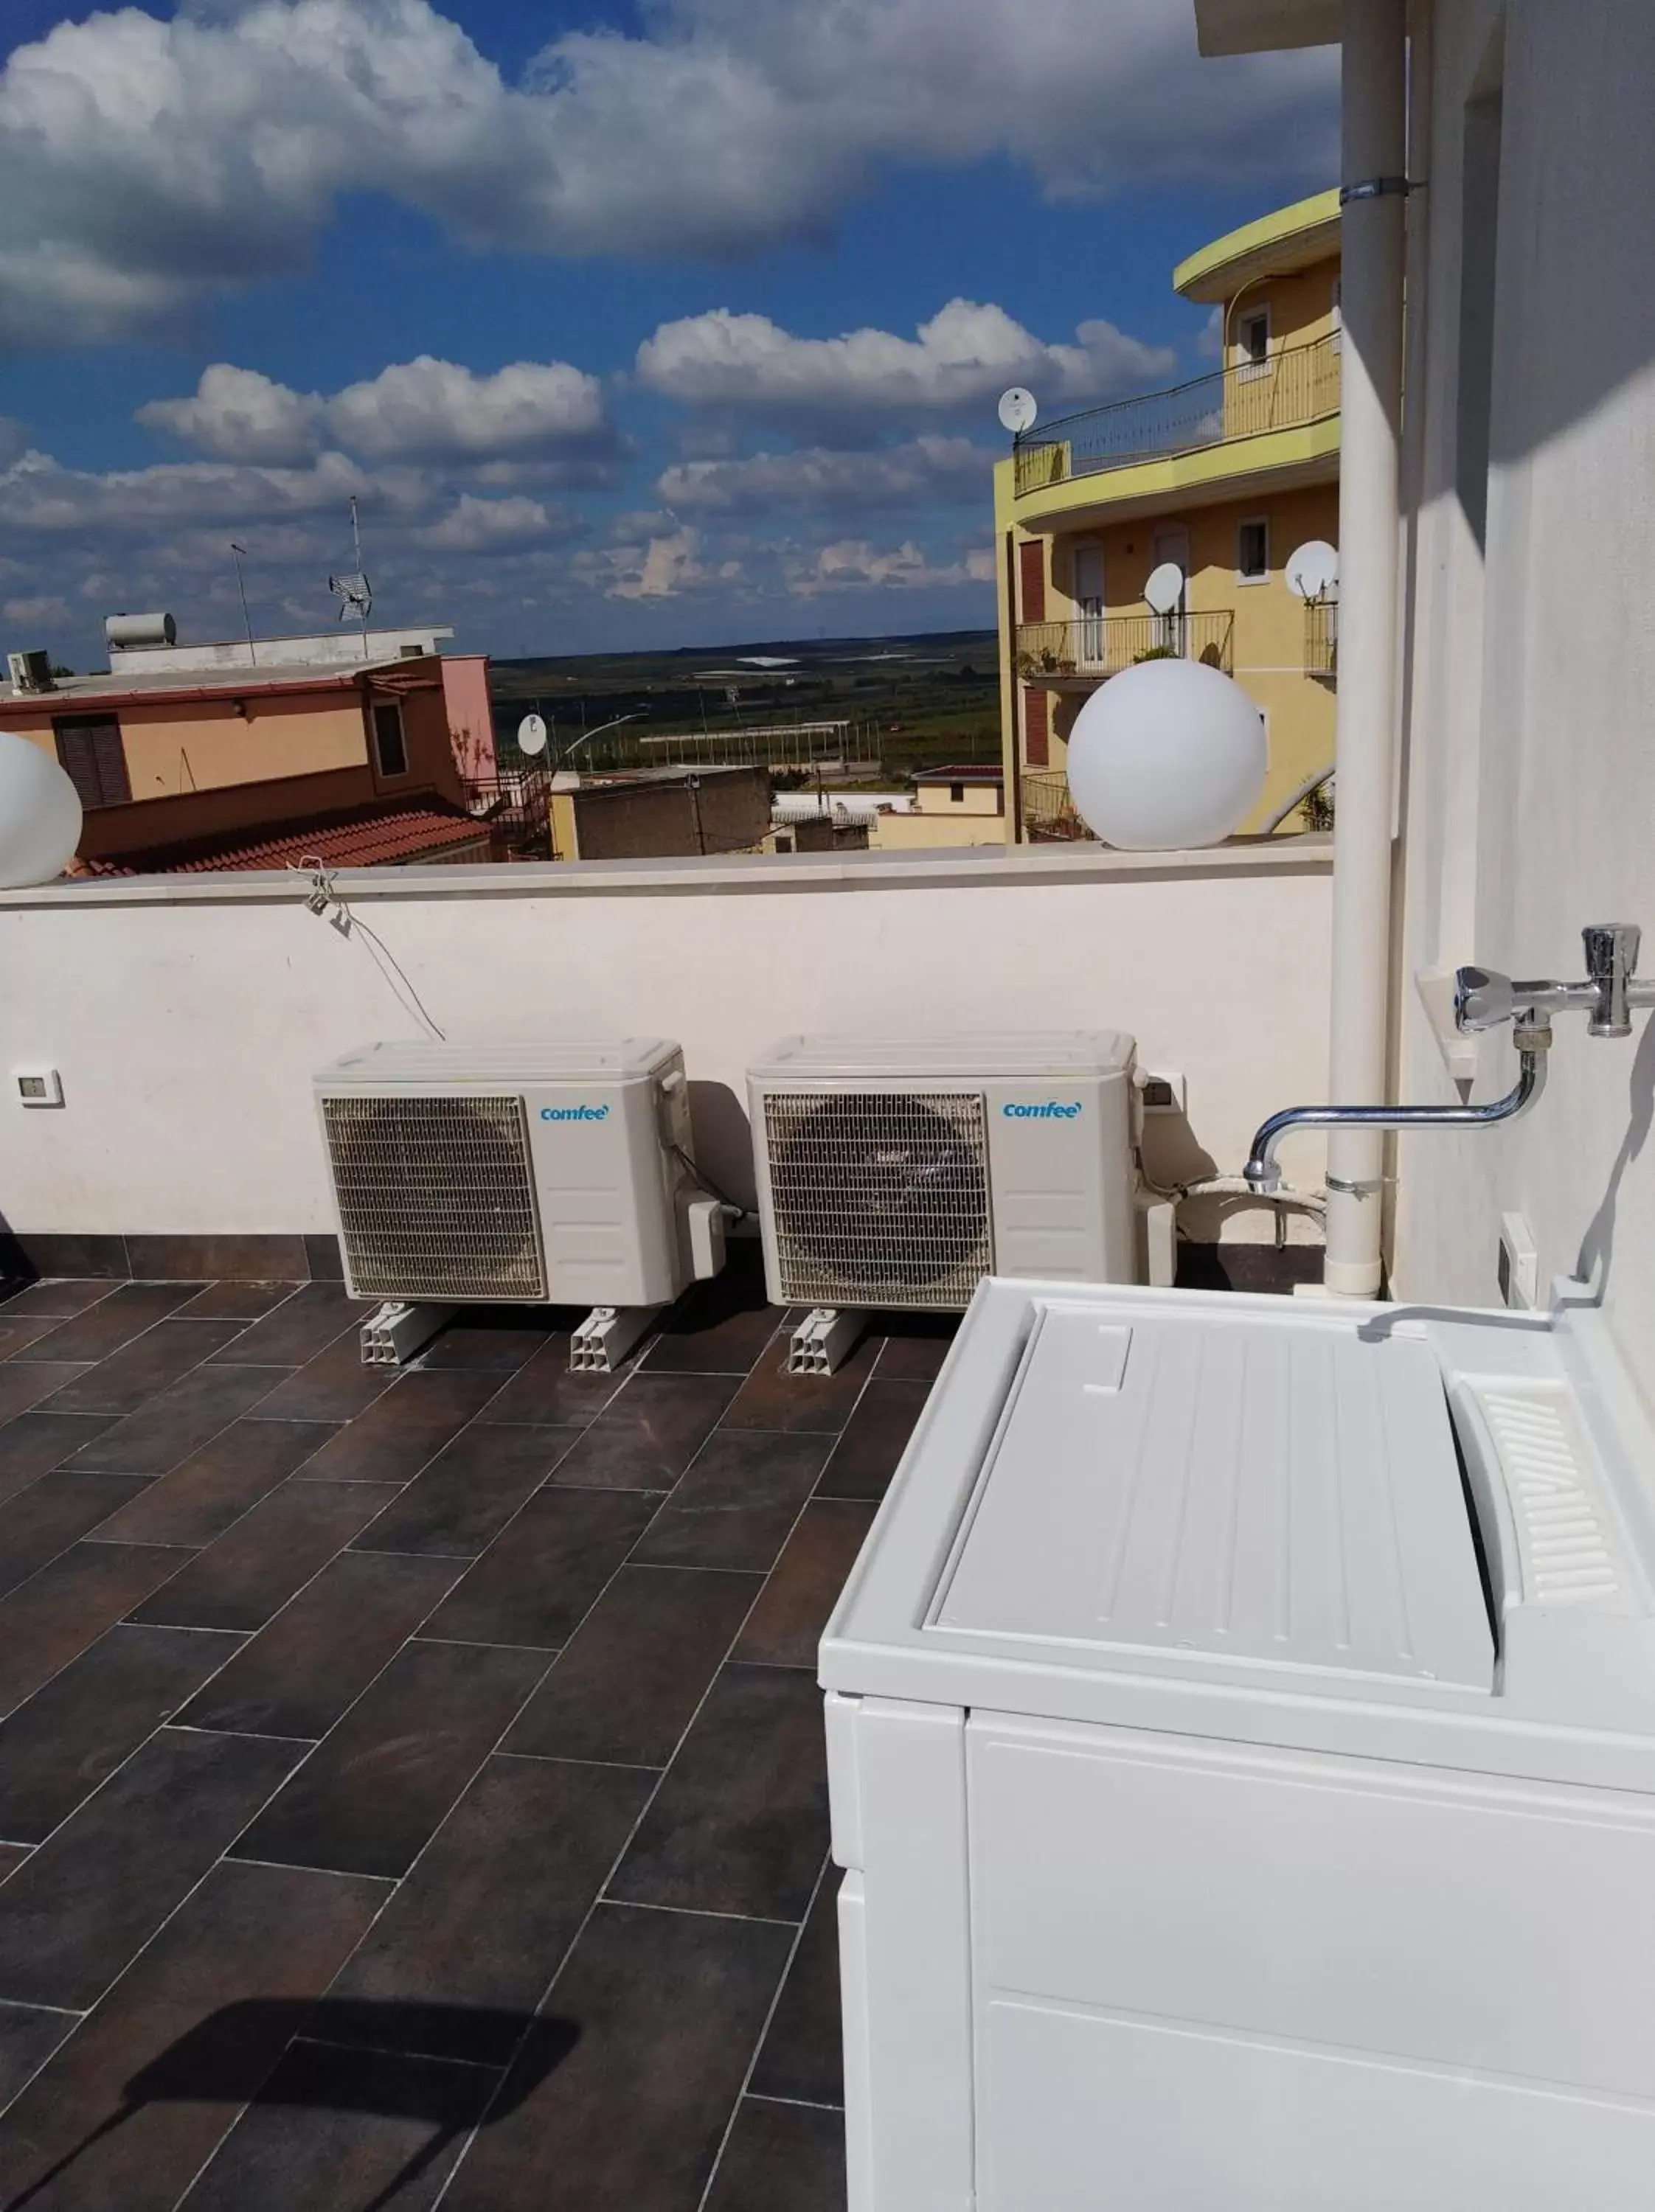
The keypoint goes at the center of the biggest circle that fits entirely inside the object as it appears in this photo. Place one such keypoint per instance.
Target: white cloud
(417, 409)
(40, 496)
(666, 567)
(490, 525)
(853, 564)
(144, 164)
(963, 358)
(48, 609)
(929, 471)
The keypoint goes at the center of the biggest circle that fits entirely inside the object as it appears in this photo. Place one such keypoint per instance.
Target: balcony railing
(1298, 385)
(1094, 647)
(1048, 811)
(1321, 637)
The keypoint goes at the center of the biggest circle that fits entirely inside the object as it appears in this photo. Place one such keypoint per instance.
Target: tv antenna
(354, 592)
(531, 734)
(1017, 410)
(238, 554)
(1164, 592)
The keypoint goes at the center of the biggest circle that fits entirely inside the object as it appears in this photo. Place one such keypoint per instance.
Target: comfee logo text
(1052, 1111)
(575, 1112)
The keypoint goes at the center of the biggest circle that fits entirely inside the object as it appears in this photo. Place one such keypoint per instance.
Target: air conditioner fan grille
(879, 1197)
(436, 1197)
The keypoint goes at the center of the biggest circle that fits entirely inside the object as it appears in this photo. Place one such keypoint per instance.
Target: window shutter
(90, 752)
(1037, 707)
(1032, 581)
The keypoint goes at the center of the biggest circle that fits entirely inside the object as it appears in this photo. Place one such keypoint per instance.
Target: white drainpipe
(1371, 247)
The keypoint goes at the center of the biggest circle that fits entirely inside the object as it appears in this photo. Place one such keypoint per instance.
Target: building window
(91, 753)
(389, 746)
(1252, 552)
(956, 794)
(1253, 341)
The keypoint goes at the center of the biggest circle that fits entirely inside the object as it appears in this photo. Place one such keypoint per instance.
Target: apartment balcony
(1322, 640)
(401, 1767)
(1276, 419)
(1080, 654)
(1048, 812)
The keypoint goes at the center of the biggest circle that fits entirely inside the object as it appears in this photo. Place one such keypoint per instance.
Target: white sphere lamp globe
(1167, 755)
(39, 815)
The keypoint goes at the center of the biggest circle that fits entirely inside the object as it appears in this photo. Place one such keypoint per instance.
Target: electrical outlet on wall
(1520, 1263)
(1159, 1092)
(37, 1086)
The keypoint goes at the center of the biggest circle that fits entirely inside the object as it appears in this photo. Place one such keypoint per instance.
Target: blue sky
(638, 325)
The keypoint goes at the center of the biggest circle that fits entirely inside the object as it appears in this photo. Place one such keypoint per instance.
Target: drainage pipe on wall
(1373, 203)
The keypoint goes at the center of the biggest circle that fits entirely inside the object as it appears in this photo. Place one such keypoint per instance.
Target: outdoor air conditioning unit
(29, 671)
(544, 1174)
(898, 1172)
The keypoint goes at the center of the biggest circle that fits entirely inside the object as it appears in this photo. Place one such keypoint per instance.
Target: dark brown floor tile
(649, 1434)
(720, 1328)
(132, 1375)
(177, 1421)
(371, 1795)
(51, 1617)
(916, 1346)
(875, 1440)
(785, 1627)
(403, 1430)
(11, 1857)
(25, 1382)
(335, 2128)
(467, 1941)
(818, 1405)
(215, 1258)
(780, 2155)
(803, 2053)
(325, 1260)
(673, 2001)
(104, 1326)
(215, 1485)
(56, 1748)
(52, 1514)
(300, 1327)
(75, 1915)
(70, 1252)
(234, 1301)
(334, 1386)
(736, 1505)
(185, 2030)
(739, 1824)
(32, 1444)
(628, 1683)
(28, 2036)
(64, 1297)
(255, 1567)
(544, 1390)
(539, 1578)
(18, 1331)
(324, 1648)
(495, 1339)
(469, 1491)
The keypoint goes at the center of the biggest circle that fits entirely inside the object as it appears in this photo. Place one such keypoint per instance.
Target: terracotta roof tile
(364, 837)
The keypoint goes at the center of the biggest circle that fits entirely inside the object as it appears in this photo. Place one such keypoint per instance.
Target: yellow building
(952, 806)
(1223, 477)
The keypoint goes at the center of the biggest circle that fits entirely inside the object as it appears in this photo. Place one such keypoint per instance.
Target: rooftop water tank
(123, 632)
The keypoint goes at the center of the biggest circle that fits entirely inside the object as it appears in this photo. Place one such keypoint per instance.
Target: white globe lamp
(39, 815)
(1167, 755)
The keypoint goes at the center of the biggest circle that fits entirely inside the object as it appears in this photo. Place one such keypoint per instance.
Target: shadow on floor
(232, 2058)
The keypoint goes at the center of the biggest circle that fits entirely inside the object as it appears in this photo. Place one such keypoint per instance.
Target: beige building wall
(199, 747)
(898, 832)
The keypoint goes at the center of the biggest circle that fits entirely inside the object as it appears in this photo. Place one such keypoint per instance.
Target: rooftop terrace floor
(412, 1788)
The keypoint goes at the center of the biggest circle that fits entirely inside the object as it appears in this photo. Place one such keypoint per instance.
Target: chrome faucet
(1482, 1001)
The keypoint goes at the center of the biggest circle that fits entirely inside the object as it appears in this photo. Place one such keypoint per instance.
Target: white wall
(187, 1014)
(1531, 725)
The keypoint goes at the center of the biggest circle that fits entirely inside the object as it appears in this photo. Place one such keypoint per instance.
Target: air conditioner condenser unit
(540, 1174)
(897, 1173)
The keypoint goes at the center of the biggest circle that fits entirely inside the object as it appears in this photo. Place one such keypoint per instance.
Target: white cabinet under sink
(1241, 1731)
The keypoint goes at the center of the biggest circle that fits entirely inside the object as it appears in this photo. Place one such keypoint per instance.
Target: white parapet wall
(186, 1014)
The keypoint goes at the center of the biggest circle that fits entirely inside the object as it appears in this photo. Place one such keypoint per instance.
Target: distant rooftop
(375, 835)
(975, 772)
(299, 648)
(103, 687)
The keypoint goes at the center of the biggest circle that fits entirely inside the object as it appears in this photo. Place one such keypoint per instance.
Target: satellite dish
(1164, 590)
(1017, 410)
(531, 735)
(1313, 570)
